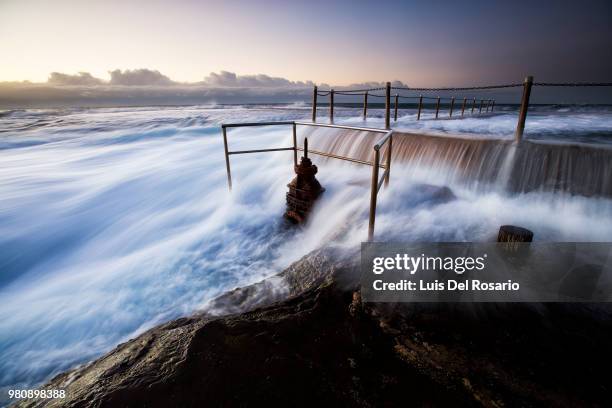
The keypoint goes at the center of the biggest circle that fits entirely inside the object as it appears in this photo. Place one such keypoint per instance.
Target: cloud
(80, 79)
(231, 80)
(139, 77)
(151, 87)
(372, 84)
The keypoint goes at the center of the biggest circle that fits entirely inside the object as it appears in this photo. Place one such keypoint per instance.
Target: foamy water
(114, 220)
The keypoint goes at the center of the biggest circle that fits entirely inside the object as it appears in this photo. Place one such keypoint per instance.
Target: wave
(114, 220)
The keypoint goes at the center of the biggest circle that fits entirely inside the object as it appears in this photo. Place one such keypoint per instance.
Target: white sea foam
(113, 220)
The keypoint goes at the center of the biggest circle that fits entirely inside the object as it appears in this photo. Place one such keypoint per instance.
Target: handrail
(376, 183)
(376, 165)
(246, 124)
(335, 156)
(382, 141)
(280, 149)
(329, 125)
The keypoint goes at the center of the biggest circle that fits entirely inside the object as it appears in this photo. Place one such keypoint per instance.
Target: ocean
(113, 220)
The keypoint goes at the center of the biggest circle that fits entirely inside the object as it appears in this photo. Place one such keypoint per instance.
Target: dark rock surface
(321, 345)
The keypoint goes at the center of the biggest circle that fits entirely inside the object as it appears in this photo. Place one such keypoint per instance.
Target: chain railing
(488, 104)
(468, 104)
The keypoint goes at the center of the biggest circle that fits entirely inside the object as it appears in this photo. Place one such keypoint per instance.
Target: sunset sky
(421, 43)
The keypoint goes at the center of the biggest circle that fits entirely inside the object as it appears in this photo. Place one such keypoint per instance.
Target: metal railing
(487, 104)
(376, 164)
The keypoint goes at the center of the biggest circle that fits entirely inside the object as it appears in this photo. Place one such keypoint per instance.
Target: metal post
(365, 104)
(227, 162)
(437, 107)
(305, 147)
(420, 106)
(473, 104)
(388, 169)
(396, 102)
(452, 105)
(488, 104)
(294, 144)
(520, 126)
(463, 106)
(314, 104)
(492, 105)
(388, 106)
(480, 107)
(373, 194)
(331, 106)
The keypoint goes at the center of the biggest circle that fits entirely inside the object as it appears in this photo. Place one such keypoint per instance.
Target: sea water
(114, 220)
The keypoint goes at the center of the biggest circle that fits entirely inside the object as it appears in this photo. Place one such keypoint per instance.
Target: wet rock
(321, 345)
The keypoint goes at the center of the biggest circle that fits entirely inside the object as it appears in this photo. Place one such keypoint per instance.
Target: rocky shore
(305, 338)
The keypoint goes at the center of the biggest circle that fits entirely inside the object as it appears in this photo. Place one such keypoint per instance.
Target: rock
(323, 346)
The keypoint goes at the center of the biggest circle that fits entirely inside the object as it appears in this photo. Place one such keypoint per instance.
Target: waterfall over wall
(484, 163)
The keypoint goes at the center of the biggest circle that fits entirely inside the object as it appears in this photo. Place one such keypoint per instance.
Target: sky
(425, 43)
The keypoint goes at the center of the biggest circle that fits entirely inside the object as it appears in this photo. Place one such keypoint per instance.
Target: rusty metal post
(294, 144)
(388, 106)
(396, 102)
(365, 104)
(420, 107)
(452, 105)
(473, 104)
(331, 106)
(373, 194)
(388, 164)
(437, 107)
(314, 104)
(520, 126)
(463, 106)
(227, 161)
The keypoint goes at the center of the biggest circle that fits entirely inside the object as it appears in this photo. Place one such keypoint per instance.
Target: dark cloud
(371, 84)
(231, 80)
(139, 77)
(23, 95)
(150, 87)
(80, 79)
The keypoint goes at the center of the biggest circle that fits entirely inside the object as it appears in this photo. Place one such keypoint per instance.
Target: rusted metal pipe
(294, 144)
(365, 104)
(452, 105)
(278, 149)
(463, 106)
(437, 107)
(373, 195)
(389, 151)
(520, 126)
(249, 124)
(331, 106)
(396, 102)
(314, 104)
(335, 156)
(420, 107)
(227, 161)
(388, 106)
(365, 129)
